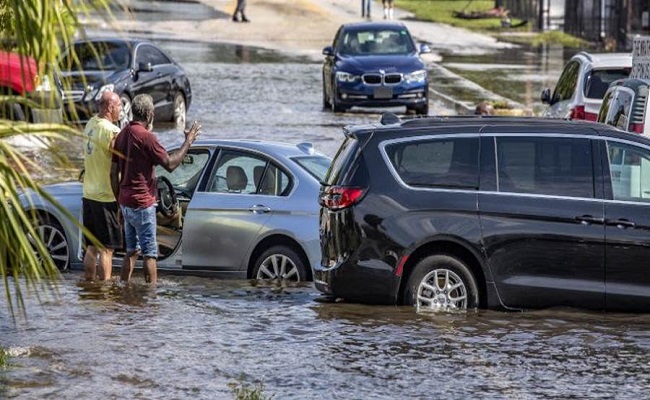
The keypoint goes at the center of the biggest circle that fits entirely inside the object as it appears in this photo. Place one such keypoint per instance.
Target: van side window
(629, 168)
(547, 166)
(444, 163)
(619, 109)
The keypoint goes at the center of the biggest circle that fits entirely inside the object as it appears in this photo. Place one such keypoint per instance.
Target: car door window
(186, 176)
(149, 54)
(445, 163)
(566, 85)
(550, 166)
(241, 172)
(619, 109)
(630, 172)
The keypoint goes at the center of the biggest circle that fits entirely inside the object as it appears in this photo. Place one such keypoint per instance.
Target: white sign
(641, 57)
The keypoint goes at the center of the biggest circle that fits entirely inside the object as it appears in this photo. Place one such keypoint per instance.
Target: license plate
(383, 93)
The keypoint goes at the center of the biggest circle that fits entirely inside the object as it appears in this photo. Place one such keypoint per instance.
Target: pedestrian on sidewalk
(388, 8)
(100, 209)
(241, 5)
(133, 180)
(365, 8)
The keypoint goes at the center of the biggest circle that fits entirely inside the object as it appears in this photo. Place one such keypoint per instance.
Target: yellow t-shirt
(97, 159)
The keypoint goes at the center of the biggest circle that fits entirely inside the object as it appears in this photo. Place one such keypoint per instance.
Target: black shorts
(101, 219)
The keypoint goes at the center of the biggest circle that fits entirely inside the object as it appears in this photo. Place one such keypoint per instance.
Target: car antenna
(388, 118)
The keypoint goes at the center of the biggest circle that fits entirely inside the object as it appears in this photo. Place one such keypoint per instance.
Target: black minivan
(504, 213)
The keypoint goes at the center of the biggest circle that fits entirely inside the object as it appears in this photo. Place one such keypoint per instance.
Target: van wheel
(281, 263)
(441, 283)
(52, 235)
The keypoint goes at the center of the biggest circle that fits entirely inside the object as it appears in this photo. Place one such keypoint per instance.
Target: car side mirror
(424, 49)
(145, 67)
(328, 51)
(546, 96)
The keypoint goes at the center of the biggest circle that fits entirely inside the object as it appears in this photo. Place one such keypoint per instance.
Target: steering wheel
(167, 201)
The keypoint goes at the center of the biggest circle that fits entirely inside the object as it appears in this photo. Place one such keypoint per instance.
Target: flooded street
(191, 337)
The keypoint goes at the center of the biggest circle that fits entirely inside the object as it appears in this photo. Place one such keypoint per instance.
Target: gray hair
(142, 107)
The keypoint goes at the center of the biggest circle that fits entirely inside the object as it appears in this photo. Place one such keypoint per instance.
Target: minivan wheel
(281, 263)
(53, 236)
(441, 283)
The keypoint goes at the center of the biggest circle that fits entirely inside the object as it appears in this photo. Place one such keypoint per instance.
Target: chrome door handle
(588, 220)
(621, 223)
(259, 209)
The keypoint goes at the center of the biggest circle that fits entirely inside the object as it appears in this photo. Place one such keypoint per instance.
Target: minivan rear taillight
(577, 112)
(636, 128)
(339, 197)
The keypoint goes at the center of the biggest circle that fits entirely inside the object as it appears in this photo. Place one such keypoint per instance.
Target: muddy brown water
(191, 337)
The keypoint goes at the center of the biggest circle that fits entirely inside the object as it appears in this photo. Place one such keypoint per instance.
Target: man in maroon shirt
(133, 180)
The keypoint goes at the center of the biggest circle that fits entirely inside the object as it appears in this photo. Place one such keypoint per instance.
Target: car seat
(267, 186)
(236, 179)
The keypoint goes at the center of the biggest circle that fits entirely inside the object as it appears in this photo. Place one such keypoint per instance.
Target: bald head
(110, 106)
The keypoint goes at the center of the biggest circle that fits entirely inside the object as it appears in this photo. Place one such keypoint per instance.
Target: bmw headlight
(346, 77)
(416, 76)
(96, 93)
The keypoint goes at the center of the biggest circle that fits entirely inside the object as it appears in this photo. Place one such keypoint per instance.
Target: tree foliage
(40, 29)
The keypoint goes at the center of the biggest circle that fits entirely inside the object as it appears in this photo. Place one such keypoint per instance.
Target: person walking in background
(241, 5)
(133, 180)
(100, 209)
(365, 8)
(388, 8)
(484, 108)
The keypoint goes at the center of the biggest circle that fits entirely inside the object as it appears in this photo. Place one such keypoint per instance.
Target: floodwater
(191, 337)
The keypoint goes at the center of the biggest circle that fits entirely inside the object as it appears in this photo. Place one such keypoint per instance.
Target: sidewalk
(304, 27)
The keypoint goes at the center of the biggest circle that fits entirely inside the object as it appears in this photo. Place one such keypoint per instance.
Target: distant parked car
(127, 67)
(584, 80)
(626, 106)
(21, 76)
(245, 209)
(502, 213)
(375, 64)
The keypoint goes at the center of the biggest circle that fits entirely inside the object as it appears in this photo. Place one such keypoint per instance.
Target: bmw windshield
(376, 42)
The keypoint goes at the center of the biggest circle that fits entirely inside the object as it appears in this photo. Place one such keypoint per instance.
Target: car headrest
(236, 178)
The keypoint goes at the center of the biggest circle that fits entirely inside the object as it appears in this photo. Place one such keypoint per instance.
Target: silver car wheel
(278, 266)
(56, 243)
(442, 289)
(180, 111)
(126, 114)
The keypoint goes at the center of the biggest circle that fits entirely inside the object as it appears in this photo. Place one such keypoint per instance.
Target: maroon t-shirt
(142, 153)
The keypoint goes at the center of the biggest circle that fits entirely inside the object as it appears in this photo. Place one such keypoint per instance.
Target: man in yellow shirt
(100, 209)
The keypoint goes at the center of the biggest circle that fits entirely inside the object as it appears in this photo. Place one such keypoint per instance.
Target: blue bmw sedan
(375, 64)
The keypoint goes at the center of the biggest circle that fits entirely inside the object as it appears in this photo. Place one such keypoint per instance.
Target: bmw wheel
(180, 111)
(52, 235)
(441, 283)
(280, 263)
(126, 114)
(336, 107)
(326, 103)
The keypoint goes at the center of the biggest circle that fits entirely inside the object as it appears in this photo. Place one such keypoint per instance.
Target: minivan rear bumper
(371, 282)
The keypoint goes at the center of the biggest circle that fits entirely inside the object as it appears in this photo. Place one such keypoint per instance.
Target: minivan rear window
(341, 161)
(444, 162)
(598, 81)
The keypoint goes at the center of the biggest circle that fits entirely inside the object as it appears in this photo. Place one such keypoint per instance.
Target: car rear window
(342, 160)
(316, 165)
(444, 162)
(598, 81)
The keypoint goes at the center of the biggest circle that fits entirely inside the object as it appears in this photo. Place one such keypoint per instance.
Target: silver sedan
(244, 209)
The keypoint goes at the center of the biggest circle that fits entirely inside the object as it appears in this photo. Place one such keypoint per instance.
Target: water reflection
(130, 294)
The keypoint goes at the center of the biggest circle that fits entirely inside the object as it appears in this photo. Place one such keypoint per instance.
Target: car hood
(388, 63)
(82, 79)
(64, 189)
